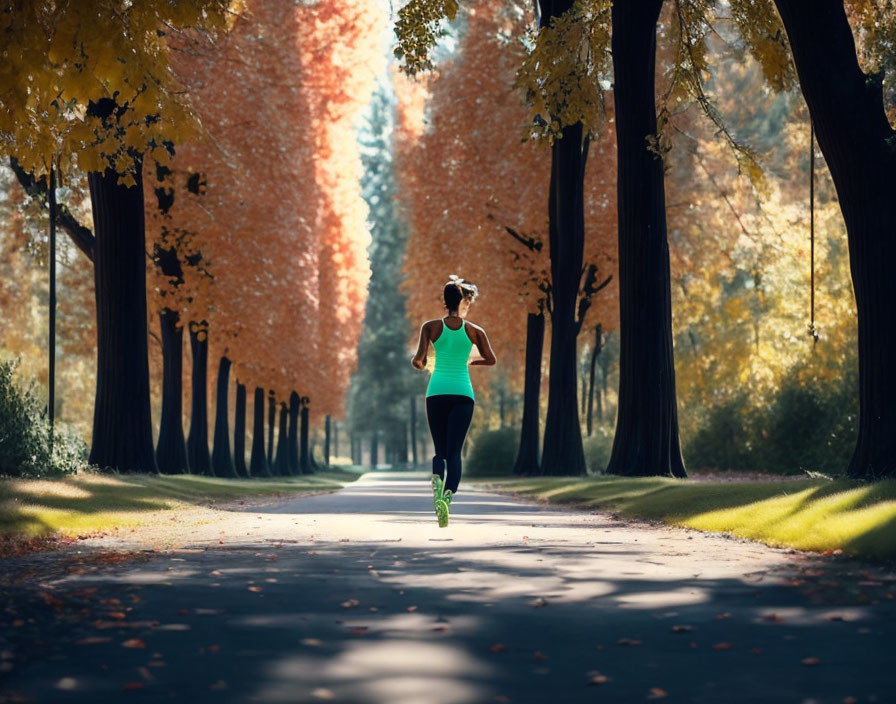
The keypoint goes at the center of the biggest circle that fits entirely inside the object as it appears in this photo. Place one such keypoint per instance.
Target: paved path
(358, 596)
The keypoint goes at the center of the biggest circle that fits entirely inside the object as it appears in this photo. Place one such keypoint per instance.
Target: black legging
(449, 417)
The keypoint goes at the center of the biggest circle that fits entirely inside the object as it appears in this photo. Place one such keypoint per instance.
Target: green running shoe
(442, 513)
(438, 488)
(447, 496)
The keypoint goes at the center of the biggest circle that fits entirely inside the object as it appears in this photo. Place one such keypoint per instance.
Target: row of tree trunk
(174, 455)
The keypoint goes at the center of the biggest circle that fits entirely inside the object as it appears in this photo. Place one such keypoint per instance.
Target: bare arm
(419, 359)
(485, 349)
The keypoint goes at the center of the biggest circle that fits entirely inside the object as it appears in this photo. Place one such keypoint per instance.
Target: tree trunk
(122, 424)
(598, 345)
(415, 458)
(197, 442)
(222, 459)
(335, 438)
(281, 464)
(258, 463)
(563, 453)
(327, 422)
(294, 467)
(846, 107)
(374, 449)
(272, 421)
(646, 442)
(304, 459)
(527, 455)
(171, 451)
(239, 432)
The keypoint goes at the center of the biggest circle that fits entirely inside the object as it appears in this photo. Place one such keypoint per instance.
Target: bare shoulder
(475, 326)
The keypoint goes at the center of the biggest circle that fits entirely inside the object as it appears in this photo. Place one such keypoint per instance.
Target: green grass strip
(94, 502)
(809, 514)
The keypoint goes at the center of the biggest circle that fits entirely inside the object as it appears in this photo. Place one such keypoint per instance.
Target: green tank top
(451, 374)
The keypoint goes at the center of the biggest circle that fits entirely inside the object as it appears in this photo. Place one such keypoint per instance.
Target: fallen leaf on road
(441, 628)
(132, 685)
(498, 648)
(722, 616)
(628, 641)
(349, 604)
(312, 641)
(133, 643)
(254, 588)
(810, 661)
(321, 693)
(120, 615)
(657, 693)
(214, 648)
(598, 679)
(412, 608)
(682, 629)
(358, 631)
(540, 655)
(773, 617)
(722, 646)
(145, 673)
(93, 640)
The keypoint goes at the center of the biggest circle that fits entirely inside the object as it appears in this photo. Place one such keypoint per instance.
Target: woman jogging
(449, 394)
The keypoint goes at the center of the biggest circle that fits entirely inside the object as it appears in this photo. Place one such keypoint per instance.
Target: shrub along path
(358, 596)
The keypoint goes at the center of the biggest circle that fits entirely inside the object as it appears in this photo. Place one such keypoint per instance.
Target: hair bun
(455, 279)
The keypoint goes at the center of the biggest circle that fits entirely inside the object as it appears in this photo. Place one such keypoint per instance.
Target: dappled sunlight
(683, 596)
(387, 671)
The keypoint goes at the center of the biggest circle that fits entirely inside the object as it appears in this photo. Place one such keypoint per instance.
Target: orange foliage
(280, 222)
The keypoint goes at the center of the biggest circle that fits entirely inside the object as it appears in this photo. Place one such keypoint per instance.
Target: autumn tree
(95, 91)
(846, 104)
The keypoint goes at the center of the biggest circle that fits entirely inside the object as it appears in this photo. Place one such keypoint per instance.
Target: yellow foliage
(60, 57)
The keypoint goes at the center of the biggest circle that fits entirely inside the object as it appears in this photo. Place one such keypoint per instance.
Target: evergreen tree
(384, 380)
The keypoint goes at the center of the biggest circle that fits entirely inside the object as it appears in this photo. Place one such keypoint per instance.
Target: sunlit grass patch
(808, 514)
(86, 503)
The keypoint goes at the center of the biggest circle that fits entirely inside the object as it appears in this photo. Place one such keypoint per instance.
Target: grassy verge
(86, 503)
(809, 514)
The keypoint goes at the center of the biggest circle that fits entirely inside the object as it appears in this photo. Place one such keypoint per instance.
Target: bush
(810, 429)
(598, 449)
(493, 453)
(24, 433)
(724, 438)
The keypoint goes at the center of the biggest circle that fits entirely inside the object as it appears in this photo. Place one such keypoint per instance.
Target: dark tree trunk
(239, 432)
(272, 421)
(294, 404)
(122, 424)
(335, 438)
(281, 464)
(327, 422)
(258, 463)
(197, 442)
(414, 456)
(562, 451)
(604, 363)
(222, 459)
(171, 451)
(304, 458)
(374, 449)
(646, 442)
(598, 345)
(527, 455)
(846, 107)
